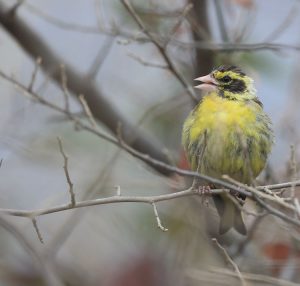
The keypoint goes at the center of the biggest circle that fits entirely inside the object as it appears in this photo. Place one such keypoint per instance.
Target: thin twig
(230, 261)
(220, 47)
(236, 47)
(290, 17)
(256, 278)
(161, 49)
(179, 22)
(34, 222)
(256, 192)
(221, 21)
(280, 185)
(100, 58)
(157, 218)
(66, 229)
(87, 111)
(146, 63)
(65, 25)
(34, 73)
(71, 191)
(36, 257)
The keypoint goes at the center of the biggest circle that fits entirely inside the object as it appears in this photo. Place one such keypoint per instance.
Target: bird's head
(229, 82)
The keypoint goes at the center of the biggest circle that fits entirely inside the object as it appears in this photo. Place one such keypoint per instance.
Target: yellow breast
(220, 114)
(220, 136)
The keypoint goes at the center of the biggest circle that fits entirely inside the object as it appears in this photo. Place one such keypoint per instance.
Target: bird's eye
(226, 78)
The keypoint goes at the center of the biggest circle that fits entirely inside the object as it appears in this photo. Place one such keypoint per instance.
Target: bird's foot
(203, 190)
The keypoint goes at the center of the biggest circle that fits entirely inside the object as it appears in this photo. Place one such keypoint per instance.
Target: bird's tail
(230, 215)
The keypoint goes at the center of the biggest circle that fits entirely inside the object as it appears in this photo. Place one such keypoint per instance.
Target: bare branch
(230, 261)
(146, 63)
(161, 50)
(102, 109)
(250, 234)
(64, 25)
(202, 45)
(34, 73)
(34, 222)
(236, 47)
(280, 185)
(254, 279)
(101, 201)
(157, 218)
(221, 20)
(71, 191)
(179, 22)
(36, 257)
(87, 111)
(290, 17)
(100, 58)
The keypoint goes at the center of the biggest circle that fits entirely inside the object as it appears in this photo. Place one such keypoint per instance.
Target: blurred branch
(37, 230)
(224, 274)
(250, 234)
(78, 83)
(47, 277)
(64, 85)
(197, 44)
(179, 22)
(221, 20)
(66, 229)
(204, 59)
(65, 25)
(146, 63)
(290, 17)
(100, 58)
(162, 50)
(236, 47)
(34, 73)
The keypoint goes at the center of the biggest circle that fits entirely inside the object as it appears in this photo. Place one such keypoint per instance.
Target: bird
(228, 133)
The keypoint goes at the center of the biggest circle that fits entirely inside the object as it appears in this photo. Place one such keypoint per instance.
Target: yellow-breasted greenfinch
(228, 133)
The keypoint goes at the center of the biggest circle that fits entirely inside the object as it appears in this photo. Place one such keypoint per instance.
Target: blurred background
(125, 78)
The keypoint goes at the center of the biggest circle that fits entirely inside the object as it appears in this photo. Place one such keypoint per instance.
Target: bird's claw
(203, 190)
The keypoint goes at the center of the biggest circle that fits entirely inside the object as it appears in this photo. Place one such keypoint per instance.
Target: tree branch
(162, 50)
(78, 83)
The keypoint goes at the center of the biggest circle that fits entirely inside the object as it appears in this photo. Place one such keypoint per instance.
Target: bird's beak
(208, 83)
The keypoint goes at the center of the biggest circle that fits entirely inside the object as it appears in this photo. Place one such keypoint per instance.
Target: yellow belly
(229, 137)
